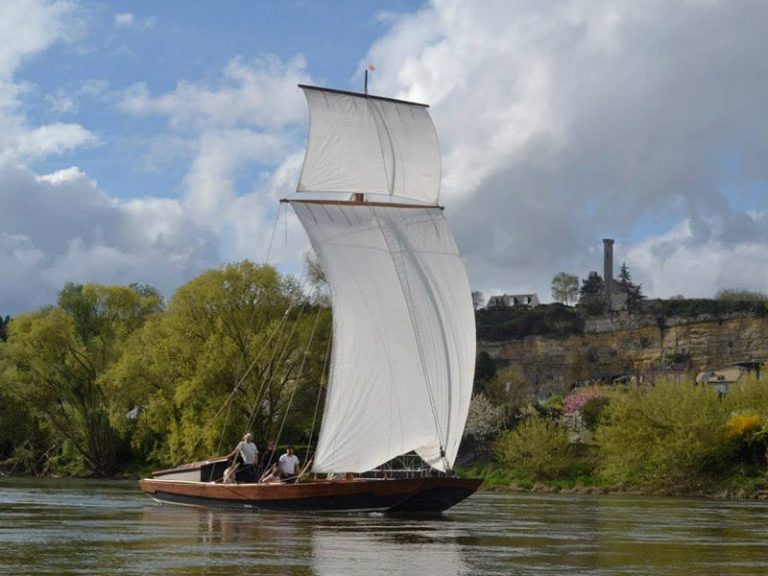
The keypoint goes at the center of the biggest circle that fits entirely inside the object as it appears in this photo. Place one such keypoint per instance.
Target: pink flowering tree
(576, 400)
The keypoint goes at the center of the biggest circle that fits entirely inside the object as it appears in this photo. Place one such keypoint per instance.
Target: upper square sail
(370, 145)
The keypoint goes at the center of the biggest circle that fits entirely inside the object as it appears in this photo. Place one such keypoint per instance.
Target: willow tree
(56, 360)
(236, 346)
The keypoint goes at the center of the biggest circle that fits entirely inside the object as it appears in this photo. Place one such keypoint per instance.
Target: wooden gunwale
(376, 488)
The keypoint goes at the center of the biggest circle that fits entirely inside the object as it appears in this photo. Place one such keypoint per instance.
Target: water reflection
(391, 546)
(66, 527)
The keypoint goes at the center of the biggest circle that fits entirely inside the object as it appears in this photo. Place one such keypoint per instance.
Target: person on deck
(273, 477)
(270, 456)
(249, 453)
(289, 466)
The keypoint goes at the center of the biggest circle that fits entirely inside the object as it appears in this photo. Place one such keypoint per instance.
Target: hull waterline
(429, 495)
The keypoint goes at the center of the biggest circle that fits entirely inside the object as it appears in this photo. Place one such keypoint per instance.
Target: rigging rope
(298, 377)
(267, 382)
(319, 393)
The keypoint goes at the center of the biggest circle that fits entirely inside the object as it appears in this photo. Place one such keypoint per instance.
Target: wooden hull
(374, 495)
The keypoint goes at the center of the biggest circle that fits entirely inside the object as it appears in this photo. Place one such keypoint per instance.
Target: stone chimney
(608, 269)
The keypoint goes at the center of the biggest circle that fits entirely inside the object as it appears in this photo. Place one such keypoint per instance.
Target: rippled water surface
(89, 527)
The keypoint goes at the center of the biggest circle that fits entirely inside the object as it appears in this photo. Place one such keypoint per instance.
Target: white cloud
(60, 227)
(568, 121)
(262, 94)
(53, 139)
(67, 101)
(128, 21)
(124, 20)
(28, 27)
(561, 123)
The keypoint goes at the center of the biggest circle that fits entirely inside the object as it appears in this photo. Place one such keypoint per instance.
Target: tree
(484, 419)
(4, 322)
(592, 295)
(477, 299)
(565, 288)
(485, 369)
(56, 360)
(626, 286)
(740, 295)
(235, 349)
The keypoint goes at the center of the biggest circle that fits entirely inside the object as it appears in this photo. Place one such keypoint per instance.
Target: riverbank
(497, 478)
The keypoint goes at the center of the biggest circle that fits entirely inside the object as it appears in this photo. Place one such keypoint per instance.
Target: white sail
(403, 334)
(365, 144)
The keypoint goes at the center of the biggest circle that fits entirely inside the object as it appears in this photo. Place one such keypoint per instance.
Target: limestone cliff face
(642, 346)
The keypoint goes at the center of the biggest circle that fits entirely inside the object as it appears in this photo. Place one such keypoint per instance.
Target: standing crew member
(249, 454)
(289, 466)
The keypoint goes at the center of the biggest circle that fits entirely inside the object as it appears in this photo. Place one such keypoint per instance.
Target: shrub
(592, 410)
(750, 395)
(743, 424)
(667, 438)
(538, 448)
(749, 435)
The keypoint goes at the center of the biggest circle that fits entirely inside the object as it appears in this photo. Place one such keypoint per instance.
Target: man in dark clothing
(270, 456)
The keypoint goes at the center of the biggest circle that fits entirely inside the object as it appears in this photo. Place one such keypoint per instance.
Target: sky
(149, 141)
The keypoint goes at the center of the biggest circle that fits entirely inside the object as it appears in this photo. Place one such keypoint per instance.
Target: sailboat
(403, 352)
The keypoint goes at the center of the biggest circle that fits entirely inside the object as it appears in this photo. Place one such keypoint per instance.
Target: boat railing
(406, 466)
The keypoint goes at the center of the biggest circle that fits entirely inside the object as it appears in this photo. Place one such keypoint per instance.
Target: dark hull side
(405, 495)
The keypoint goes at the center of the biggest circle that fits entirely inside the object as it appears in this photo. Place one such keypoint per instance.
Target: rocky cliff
(645, 346)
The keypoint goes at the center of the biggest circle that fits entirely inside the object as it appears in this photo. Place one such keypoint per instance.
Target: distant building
(513, 300)
(723, 379)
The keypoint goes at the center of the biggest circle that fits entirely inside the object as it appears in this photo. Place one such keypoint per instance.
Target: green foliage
(538, 448)
(741, 295)
(694, 307)
(512, 391)
(565, 287)
(592, 295)
(669, 437)
(633, 291)
(750, 394)
(4, 322)
(592, 410)
(56, 359)
(553, 405)
(485, 369)
(228, 356)
(513, 323)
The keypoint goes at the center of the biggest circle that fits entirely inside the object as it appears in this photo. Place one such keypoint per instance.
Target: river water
(92, 527)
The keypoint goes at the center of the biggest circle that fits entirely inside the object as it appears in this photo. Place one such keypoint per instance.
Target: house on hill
(512, 300)
(723, 379)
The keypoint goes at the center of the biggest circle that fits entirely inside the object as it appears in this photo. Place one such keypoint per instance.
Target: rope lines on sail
(323, 380)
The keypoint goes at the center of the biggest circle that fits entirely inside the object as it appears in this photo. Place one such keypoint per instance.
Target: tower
(608, 270)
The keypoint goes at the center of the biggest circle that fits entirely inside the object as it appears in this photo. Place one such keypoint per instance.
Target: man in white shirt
(249, 454)
(289, 466)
